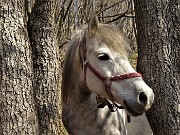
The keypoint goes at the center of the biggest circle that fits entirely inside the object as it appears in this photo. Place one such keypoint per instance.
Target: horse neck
(80, 95)
(74, 90)
(78, 103)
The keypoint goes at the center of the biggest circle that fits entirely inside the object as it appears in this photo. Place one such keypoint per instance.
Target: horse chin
(130, 111)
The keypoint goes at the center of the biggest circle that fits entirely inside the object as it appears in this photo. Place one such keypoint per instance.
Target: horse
(99, 86)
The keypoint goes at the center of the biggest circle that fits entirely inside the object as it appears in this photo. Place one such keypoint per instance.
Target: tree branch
(125, 14)
(67, 10)
(98, 12)
(121, 15)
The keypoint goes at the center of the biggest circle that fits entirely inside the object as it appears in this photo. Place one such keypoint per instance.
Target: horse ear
(93, 25)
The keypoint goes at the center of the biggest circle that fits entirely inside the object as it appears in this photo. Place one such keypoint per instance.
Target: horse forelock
(113, 38)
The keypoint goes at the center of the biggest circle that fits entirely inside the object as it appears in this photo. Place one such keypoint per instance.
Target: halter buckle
(107, 81)
(84, 64)
(85, 61)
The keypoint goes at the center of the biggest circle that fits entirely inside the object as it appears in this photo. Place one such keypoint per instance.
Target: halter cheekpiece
(105, 79)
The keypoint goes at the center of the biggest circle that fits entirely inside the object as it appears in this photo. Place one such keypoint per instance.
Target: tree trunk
(29, 68)
(158, 38)
(17, 110)
(43, 36)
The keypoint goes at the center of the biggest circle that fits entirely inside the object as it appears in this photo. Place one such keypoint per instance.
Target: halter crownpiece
(106, 79)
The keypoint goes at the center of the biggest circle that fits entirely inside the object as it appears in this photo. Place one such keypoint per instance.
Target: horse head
(107, 71)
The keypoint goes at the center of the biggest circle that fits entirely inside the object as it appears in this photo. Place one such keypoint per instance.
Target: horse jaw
(127, 93)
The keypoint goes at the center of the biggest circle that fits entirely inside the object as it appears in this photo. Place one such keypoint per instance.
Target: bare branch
(67, 10)
(124, 14)
(131, 16)
(98, 12)
(63, 44)
(121, 15)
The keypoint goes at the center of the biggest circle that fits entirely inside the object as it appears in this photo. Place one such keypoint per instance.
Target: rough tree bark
(29, 61)
(17, 110)
(158, 38)
(43, 36)
(29, 68)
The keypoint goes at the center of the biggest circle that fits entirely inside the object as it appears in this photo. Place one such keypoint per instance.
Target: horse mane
(113, 38)
(107, 33)
(68, 63)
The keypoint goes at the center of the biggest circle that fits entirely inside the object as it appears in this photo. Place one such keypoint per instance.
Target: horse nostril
(142, 98)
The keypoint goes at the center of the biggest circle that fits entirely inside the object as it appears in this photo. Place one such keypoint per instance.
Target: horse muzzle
(138, 106)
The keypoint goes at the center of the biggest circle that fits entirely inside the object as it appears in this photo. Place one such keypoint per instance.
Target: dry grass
(133, 59)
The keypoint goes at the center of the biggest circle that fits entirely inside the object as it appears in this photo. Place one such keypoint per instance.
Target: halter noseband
(106, 79)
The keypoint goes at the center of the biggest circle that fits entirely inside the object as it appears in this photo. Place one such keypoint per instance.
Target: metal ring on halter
(107, 81)
(85, 61)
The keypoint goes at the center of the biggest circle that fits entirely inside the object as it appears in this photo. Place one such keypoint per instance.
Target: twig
(67, 10)
(121, 15)
(130, 16)
(64, 43)
(117, 15)
(98, 12)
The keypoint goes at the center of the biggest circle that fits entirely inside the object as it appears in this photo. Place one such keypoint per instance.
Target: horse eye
(103, 56)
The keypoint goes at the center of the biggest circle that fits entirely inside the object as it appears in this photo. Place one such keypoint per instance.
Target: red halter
(106, 80)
